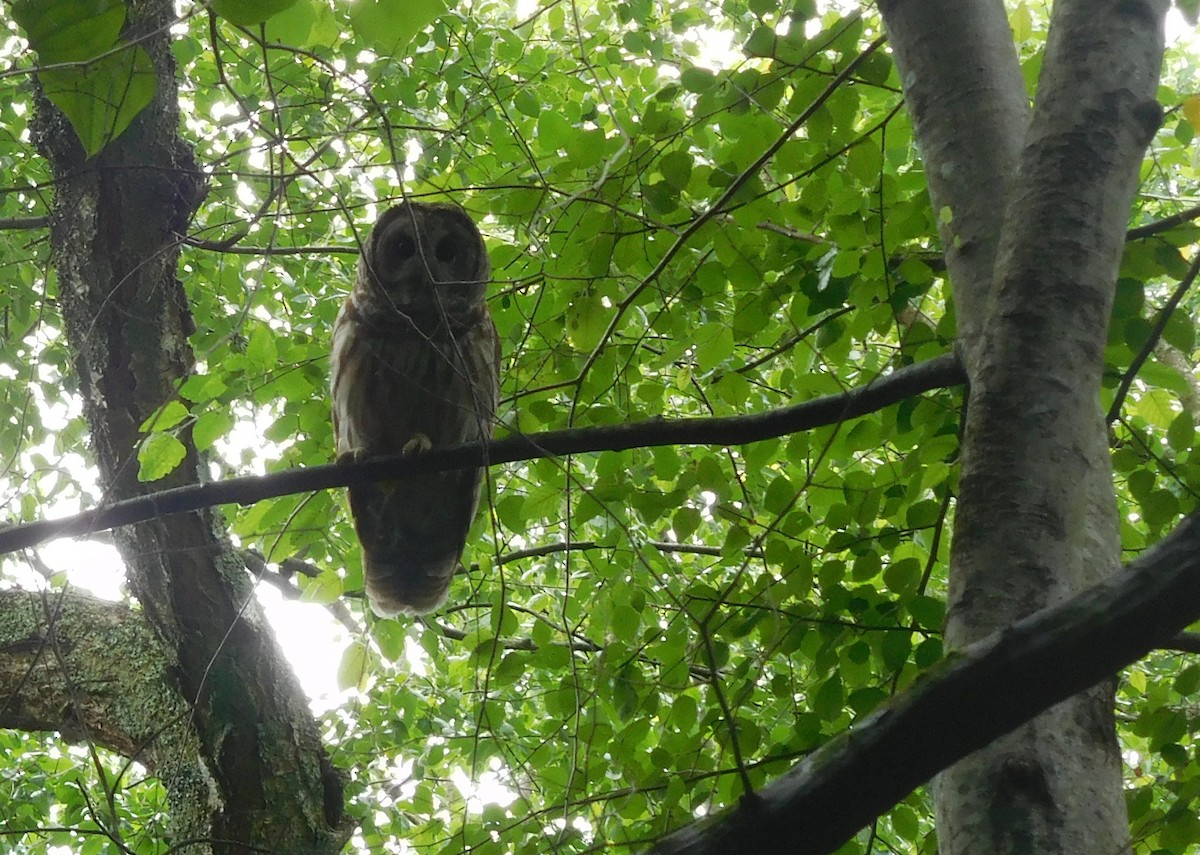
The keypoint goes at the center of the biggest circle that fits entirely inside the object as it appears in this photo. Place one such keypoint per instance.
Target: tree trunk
(116, 230)
(1036, 514)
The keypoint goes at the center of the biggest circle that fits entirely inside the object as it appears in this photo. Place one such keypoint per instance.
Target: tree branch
(940, 372)
(8, 224)
(1163, 225)
(47, 641)
(1156, 331)
(982, 692)
(1184, 642)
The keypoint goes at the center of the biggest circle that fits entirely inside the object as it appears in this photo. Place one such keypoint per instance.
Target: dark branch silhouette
(19, 223)
(1156, 331)
(963, 704)
(937, 373)
(1164, 225)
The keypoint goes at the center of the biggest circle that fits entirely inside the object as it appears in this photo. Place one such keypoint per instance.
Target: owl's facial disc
(451, 257)
(443, 256)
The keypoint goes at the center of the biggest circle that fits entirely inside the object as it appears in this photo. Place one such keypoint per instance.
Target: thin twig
(1156, 331)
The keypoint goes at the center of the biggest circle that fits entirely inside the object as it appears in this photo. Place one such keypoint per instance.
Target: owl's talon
(419, 444)
(353, 455)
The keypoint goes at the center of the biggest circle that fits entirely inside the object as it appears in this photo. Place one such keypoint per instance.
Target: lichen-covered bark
(58, 673)
(115, 231)
(1036, 514)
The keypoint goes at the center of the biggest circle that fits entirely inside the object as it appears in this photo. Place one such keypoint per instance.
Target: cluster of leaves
(58, 797)
(641, 635)
(1156, 458)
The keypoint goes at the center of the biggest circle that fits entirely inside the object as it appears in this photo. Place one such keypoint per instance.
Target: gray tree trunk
(1033, 283)
(116, 229)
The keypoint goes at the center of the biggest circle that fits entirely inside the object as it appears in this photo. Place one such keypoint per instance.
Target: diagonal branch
(1156, 331)
(940, 372)
(982, 692)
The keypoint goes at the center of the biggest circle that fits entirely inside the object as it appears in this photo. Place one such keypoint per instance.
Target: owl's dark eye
(446, 249)
(404, 248)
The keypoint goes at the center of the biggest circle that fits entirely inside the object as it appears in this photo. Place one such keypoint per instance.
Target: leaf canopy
(642, 634)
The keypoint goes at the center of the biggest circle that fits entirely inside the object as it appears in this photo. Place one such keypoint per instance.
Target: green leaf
(697, 79)
(392, 638)
(106, 90)
(261, 352)
(70, 30)
(923, 514)
(511, 667)
(202, 387)
(903, 576)
(1155, 406)
(780, 494)
(167, 416)
(305, 24)
(210, 426)
(158, 456)
(676, 168)
(761, 42)
(352, 670)
(527, 103)
(1155, 373)
(1159, 508)
(930, 613)
(101, 99)
(1180, 331)
(389, 26)
(1130, 297)
(587, 322)
(554, 132)
(896, 647)
(247, 12)
(1182, 432)
(714, 344)
(829, 699)
(1021, 21)
(324, 589)
(1188, 681)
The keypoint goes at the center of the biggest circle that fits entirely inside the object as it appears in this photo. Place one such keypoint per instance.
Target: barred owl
(415, 367)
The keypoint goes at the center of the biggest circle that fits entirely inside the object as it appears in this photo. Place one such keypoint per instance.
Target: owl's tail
(407, 585)
(412, 533)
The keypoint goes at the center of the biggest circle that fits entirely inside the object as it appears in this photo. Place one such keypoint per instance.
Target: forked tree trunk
(1033, 283)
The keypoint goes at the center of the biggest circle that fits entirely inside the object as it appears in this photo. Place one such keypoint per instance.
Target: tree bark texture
(1036, 513)
(116, 228)
(964, 91)
(58, 674)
